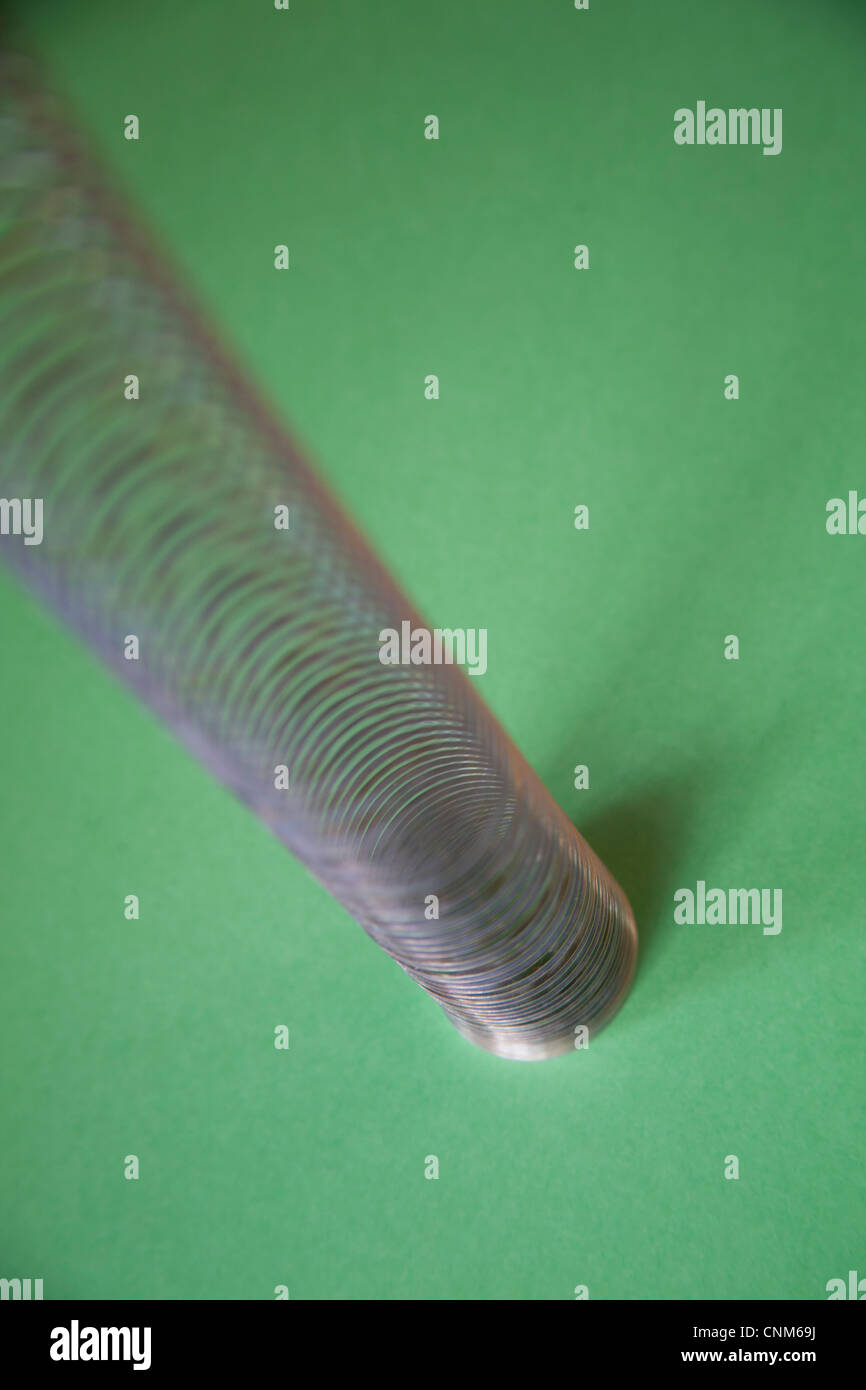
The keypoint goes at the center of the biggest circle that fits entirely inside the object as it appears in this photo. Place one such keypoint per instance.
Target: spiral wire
(260, 646)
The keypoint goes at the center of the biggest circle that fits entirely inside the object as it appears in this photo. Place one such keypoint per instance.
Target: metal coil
(259, 646)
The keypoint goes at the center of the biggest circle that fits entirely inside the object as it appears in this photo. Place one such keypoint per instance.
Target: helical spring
(260, 644)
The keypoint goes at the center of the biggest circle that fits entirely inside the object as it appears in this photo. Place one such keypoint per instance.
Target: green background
(558, 387)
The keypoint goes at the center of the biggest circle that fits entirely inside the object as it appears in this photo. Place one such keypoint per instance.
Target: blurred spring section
(261, 647)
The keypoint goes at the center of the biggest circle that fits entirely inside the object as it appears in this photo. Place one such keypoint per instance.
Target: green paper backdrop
(707, 518)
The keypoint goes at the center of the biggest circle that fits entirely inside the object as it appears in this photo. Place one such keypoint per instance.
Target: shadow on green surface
(639, 842)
